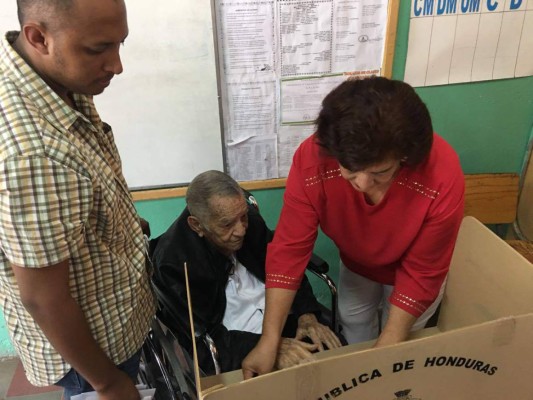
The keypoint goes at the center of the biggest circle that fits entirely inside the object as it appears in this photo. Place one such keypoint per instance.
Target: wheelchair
(167, 366)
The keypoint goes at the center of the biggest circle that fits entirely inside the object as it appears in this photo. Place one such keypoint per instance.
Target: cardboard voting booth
(482, 347)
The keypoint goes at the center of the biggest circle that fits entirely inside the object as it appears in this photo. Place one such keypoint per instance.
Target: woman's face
(374, 178)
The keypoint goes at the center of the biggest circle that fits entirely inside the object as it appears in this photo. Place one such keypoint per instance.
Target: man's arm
(45, 294)
(262, 358)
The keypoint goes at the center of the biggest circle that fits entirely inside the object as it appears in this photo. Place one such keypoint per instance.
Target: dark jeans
(73, 383)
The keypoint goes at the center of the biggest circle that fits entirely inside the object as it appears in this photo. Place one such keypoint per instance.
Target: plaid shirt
(63, 197)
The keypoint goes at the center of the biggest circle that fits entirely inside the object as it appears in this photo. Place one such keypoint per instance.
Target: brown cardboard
(481, 348)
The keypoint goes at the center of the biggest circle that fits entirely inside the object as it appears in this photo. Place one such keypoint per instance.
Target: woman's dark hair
(366, 121)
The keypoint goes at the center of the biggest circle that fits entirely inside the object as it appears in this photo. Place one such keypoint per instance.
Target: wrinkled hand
(293, 352)
(320, 335)
(120, 388)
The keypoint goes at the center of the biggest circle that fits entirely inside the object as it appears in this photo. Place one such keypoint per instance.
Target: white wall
(164, 107)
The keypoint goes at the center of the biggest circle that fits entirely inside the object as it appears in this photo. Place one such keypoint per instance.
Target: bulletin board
(270, 54)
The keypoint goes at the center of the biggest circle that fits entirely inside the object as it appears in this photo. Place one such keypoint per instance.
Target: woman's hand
(261, 359)
(397, 328)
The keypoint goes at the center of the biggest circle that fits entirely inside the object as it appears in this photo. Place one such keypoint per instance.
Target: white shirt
(245, 300)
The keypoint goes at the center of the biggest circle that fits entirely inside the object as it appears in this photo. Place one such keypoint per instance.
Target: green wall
(488, 123)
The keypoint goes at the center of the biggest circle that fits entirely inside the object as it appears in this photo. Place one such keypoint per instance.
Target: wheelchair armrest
(210, 344)
(318, 265)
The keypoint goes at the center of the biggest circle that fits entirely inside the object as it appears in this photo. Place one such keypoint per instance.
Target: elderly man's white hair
(204, 187)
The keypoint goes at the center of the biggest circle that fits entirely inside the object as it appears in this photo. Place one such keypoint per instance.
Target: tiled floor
(14, 386)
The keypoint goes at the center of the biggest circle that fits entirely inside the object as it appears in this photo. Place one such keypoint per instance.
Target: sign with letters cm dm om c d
(480, 349)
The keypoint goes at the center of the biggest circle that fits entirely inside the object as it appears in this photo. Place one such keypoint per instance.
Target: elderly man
(223, 240)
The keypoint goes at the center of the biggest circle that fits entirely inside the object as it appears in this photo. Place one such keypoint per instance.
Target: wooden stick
(193, 337)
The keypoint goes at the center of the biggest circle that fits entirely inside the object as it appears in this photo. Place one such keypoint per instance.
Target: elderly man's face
(227, 224)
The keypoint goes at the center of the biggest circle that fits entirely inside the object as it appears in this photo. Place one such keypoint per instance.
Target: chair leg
(184, 388)
(151, 348)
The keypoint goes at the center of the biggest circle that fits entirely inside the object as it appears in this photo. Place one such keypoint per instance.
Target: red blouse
(406, 240)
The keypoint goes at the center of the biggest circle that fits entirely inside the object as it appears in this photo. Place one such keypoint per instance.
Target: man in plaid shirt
(73, 285)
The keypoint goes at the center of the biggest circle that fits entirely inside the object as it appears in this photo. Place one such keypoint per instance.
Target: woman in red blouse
(389, 192)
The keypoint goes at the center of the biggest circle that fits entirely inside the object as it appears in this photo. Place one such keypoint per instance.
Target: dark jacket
(208, 274)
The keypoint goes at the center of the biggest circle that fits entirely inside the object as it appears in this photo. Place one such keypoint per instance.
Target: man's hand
(45, 293)
(145, 226)
(320, 335)
(293, 352)
(121, 388)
